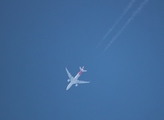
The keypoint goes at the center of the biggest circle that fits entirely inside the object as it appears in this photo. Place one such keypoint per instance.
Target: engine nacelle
(68, 80)
(76, 85)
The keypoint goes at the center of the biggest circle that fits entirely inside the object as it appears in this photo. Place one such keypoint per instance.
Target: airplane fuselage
(74, 80)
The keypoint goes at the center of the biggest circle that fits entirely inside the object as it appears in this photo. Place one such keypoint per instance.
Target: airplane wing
(69, 74)
(81, 82)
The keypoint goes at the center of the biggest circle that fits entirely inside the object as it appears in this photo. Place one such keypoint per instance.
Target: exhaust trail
(118, 20)
(128, 21)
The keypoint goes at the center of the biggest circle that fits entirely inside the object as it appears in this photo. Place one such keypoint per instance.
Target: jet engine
(68, 80)
(76, 85)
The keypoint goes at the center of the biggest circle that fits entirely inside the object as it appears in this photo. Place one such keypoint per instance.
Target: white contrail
(128, 21)
(118, 20)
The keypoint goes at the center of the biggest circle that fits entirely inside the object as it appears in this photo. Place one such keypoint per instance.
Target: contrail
(128, 21)
(118, 20)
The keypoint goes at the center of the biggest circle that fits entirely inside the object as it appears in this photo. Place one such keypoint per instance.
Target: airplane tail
(82, 69)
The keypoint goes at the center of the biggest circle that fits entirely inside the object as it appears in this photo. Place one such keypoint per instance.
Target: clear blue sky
(40, 38)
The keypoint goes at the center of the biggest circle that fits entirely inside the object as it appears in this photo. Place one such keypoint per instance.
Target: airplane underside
(74, 80)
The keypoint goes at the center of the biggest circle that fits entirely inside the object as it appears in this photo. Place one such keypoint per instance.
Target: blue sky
(40, 38)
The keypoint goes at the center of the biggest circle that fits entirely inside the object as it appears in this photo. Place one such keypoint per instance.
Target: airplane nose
(67, 88)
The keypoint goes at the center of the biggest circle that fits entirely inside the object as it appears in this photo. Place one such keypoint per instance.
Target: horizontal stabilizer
(82, 69)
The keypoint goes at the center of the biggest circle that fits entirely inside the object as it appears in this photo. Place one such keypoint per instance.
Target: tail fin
(82, 69)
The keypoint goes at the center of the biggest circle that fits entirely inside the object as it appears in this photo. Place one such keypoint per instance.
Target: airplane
(74, 80)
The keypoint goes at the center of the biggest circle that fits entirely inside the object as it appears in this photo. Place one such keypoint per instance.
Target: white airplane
(74, 80)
